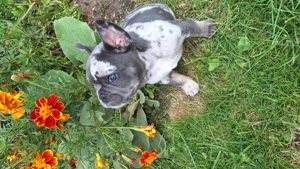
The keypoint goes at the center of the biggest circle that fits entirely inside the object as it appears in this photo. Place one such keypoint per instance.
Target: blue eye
(112, 77)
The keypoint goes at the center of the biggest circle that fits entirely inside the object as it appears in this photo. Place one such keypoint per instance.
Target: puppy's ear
(114, 37)
(88, 49)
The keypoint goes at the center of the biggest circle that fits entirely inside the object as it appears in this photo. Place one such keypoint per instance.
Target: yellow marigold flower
(10, 104)
(148, 158)
(100, 163)
(148, 130)
(44, 161)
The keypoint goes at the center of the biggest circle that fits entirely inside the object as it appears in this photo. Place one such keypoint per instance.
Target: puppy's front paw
(191, 88)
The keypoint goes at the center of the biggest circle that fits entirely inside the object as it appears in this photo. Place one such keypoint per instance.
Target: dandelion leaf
(213, 64)
(244, 44)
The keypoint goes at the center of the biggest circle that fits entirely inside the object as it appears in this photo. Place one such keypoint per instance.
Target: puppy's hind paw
(191, 88)
(208, 28)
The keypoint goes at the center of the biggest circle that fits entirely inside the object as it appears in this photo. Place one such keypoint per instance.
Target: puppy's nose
(102, 96)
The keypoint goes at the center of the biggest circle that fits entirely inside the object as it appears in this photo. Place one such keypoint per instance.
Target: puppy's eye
(112, 77)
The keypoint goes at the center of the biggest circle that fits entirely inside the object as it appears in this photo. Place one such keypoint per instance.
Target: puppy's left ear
(114, 37)
(88, 49)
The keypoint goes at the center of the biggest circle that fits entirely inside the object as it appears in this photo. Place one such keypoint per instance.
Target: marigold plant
(48, 112)
(10, 104)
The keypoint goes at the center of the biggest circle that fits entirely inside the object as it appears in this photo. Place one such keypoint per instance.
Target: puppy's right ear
(114, 37)
(88, 49)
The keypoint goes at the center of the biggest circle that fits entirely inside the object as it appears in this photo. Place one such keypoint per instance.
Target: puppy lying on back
(144, 51)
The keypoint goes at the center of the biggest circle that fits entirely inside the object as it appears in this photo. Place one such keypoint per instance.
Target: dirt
(110, 10)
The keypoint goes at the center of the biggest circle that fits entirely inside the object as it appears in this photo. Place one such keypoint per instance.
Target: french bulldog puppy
(144, 51)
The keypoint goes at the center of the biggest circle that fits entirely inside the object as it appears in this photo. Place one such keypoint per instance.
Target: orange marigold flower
(100, 163)
(148, 130)
(44, 161)
(10, 104)
(147, 158)
(47, 112)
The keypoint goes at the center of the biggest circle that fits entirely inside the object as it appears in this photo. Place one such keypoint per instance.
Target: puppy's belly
(160, 69)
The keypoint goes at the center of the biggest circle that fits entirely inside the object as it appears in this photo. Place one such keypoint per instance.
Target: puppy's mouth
(114, 101)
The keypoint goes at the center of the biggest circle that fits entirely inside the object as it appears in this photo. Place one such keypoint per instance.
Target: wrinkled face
(113, 67)
(115, 76)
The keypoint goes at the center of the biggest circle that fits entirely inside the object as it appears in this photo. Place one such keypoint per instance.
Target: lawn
(246, 115)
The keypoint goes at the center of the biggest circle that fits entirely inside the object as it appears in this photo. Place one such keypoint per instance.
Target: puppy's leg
(189, 86)
(205, 28)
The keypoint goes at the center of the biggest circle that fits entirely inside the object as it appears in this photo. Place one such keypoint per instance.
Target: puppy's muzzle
(111, 100)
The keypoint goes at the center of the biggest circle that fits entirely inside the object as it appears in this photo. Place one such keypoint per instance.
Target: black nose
(102, 95)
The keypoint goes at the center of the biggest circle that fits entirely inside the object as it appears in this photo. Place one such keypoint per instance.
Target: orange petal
(19, 112)
(52, 99)
(32, 115)
(47, 155)
(53, 162)
(50, 122)
(56, 114)
(39, 121)
(59, 126)
(42, 101)
(61, 155)
(146, 154)
(59, 105)
(65, 117)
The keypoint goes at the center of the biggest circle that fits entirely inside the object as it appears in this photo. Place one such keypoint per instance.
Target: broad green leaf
(159, 143)
(86, 158)
(87, 116)
(90, 117)
(244, 44)
(213, 64)
(69, 31)
(141, 119)
(141, 139)
(154, 103)
(130, 110)
(54, 81)
(141, 96)
(126, 134)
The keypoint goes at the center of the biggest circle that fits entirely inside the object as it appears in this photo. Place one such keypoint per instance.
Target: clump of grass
(251, 113)
(27, 41)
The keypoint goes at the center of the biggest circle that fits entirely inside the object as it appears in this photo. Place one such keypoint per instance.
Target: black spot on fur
(161, 28)
(139, 27)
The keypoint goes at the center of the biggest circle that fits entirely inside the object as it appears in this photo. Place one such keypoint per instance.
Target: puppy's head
(113, 66)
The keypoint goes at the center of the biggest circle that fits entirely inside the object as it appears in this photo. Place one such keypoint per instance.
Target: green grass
(252, 97)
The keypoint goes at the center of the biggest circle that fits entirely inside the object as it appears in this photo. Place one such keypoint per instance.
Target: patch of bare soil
(110, 10)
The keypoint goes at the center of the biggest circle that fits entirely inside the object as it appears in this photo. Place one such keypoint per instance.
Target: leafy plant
(92, 135)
